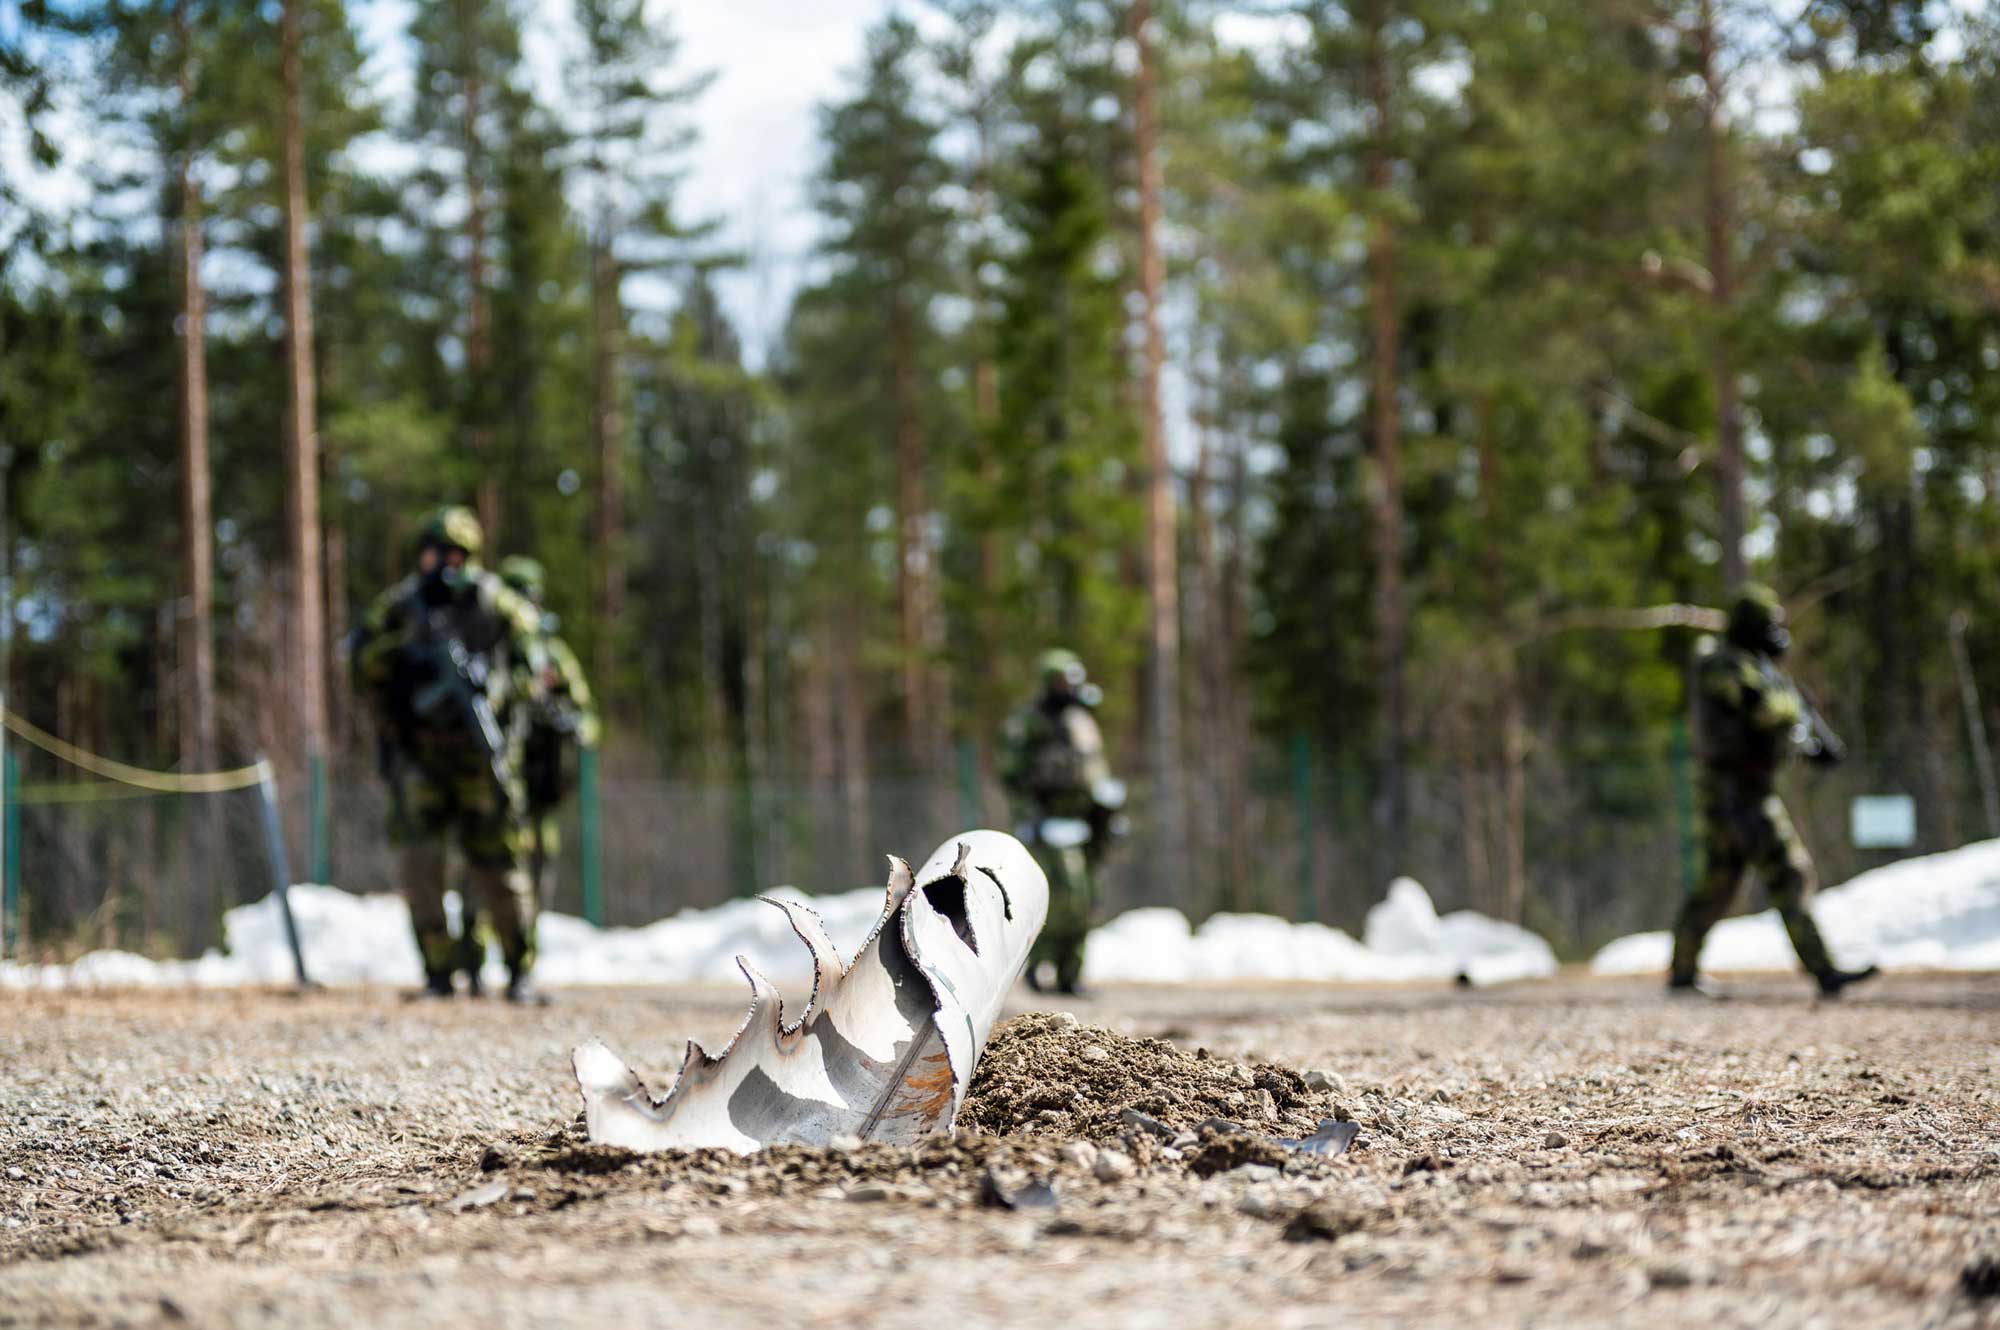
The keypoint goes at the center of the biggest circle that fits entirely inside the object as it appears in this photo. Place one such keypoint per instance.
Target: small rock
(1324, 1080)
(843, 1142)
(483, 1195)
(1112, 1165)
(1323, 1221)
(1671, 1274)
(700, 1226)
(1065, 1018)
(1082, 1154)
(1440, 1097)
(1555, 1140)
(16, 1174)
(868, 1191)
(494, 1158)
(1258, 1173)
(1980, 1280)
(1259, 1203)
(1186, 1140)
(1096, 1053)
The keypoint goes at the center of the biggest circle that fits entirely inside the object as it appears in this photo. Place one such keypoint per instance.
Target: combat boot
(1694, 986)
(522, 992)
(1833, 979)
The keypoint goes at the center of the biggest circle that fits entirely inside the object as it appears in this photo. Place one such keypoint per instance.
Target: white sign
(1883, 822)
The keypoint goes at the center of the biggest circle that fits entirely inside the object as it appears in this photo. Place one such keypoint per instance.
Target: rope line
(160, 782)
(79, 792)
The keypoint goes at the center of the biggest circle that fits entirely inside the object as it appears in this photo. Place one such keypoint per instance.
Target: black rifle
(458, 683)
(1816, 741)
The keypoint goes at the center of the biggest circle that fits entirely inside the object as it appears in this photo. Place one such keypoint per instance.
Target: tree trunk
(479, 313)
(912, 556)
(607, 427)
(1718, 222)
(301, 415)
(1513, 782)
(197, 631)
(1162, 571)
(989, 688)
(1392, 807)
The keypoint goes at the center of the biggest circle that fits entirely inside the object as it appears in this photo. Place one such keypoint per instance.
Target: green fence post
(10, 846)
(593, 834)
(1684, 803)
(969, 812)
(321, 853)
(1302, 808)
(280, 865)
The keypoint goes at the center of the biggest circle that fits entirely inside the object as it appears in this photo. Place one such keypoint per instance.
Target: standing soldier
(562, 719)
(448, 658)
(1054, 767)
(1749, 718)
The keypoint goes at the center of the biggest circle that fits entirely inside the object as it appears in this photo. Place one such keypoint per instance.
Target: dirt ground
(1571, 1152)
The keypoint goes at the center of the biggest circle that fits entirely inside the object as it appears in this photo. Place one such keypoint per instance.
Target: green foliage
(1541, 170)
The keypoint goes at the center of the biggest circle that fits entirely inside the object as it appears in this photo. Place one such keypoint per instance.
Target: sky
(774, 62)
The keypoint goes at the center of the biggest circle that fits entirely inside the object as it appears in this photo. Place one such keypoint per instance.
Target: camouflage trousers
(1749, 833)
(453, 797)
(541, 847)
(1071, 874)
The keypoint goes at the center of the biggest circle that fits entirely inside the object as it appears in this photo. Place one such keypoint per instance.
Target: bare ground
(1572, 1152)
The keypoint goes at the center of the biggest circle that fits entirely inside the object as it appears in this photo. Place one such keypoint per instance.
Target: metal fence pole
(1684, 804)
(1302, 806)
(969, 812)
(281, 868)
(589, 810)
(1975, 726)
(321, 852)
(10, 854)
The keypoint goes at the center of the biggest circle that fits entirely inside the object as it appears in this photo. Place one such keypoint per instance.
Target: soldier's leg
(416, 829)
(1787, 869)
(492, 835)
(423, 888)
(1723, 862)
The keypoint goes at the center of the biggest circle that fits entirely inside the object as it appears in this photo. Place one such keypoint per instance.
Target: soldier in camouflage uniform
(1054, 767)
(449, 660)
(1749, 719)
(561, 720)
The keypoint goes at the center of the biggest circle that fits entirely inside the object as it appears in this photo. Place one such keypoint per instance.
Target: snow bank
(350, 939)
(1404, 939)
(1938, 912)
(366, 939)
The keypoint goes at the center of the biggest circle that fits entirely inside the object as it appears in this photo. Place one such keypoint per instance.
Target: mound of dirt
(1046, 1074)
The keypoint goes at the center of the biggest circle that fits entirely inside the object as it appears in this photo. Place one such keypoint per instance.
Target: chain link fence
(1606, 845)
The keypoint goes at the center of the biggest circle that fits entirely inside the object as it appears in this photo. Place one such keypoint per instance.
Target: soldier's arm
(1088, 740)
(520, 628)
(1014, 754)
(571, 681)
(376, 640)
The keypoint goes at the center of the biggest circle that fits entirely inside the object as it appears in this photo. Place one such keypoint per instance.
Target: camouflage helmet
(452, 527)
(1757, 620)
(1059, 665)
(526, 576)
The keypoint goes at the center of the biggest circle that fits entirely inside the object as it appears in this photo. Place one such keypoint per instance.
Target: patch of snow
(351, 939)
(1936, 912)
(1404, 939)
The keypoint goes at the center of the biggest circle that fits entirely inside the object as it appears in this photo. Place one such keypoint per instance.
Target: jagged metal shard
(886, 1045)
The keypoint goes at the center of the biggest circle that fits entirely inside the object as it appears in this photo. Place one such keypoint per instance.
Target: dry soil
(1561, 1153)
